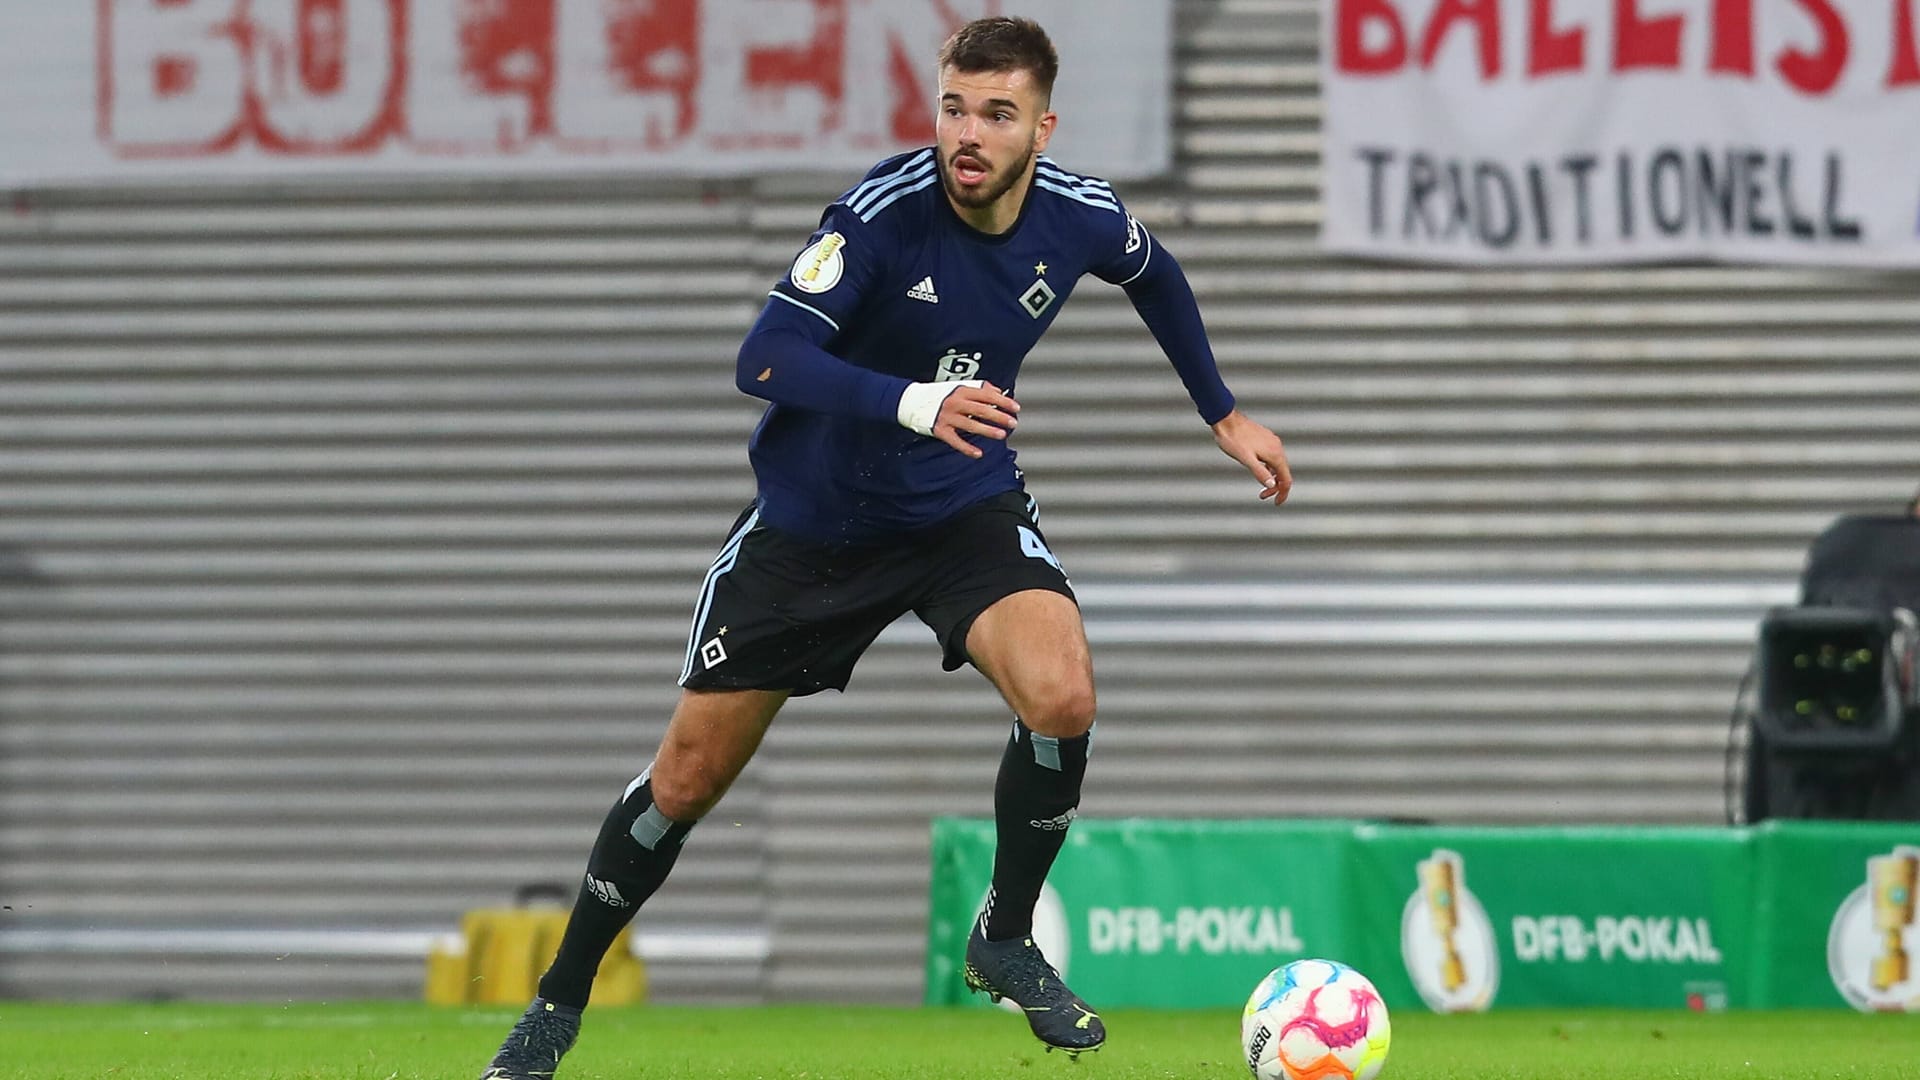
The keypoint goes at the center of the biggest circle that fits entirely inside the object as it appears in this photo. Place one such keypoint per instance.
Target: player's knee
(685, 794)
(1063, 710)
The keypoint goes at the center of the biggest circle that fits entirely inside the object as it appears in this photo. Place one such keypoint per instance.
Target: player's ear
(1044, 132)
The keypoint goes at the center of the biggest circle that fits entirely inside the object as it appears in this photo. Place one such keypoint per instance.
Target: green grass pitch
(394, 1041)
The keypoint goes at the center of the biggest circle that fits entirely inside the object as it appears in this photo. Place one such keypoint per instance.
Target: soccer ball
(1313, 1020)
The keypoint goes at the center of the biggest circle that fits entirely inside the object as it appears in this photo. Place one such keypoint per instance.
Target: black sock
(636, 848)
(1034, 801)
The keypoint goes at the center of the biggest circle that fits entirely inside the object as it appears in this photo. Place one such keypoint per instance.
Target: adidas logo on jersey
(924, 291)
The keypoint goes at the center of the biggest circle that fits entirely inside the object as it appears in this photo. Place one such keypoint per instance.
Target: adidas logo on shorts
(924, 291)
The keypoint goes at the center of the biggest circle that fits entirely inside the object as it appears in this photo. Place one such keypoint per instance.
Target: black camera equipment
(1831, 706)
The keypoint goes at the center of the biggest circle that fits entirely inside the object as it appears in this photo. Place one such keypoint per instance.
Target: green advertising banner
(1194, 913)
(1836, 916)
(1155, 913)
(1466, 919)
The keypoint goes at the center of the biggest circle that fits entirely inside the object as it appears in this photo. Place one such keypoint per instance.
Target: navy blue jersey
(902, 290)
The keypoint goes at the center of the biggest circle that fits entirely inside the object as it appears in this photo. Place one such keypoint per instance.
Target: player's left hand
(1259, 449)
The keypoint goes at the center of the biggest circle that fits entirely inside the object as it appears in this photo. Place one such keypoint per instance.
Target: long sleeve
(1165, 301)
(782, 361)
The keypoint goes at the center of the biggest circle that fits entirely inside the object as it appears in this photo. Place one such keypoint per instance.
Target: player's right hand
(949, 410)
(975, 410)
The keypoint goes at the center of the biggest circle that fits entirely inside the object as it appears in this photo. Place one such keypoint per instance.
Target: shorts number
(1035, 548)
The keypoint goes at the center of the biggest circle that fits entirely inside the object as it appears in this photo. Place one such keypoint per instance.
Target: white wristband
(920, 403)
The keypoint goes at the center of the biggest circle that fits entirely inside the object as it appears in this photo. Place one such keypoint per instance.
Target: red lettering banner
(1569, 131)
(158, 89)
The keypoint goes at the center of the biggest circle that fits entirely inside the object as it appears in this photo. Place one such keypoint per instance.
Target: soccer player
(889, 353)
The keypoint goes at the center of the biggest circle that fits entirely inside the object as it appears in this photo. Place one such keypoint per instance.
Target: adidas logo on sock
(924, 291)
(606, 892)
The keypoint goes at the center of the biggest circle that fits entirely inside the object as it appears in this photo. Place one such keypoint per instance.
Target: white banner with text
(140, 90)
(1608, 131)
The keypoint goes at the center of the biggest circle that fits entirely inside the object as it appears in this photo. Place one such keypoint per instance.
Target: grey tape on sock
(650, 827)
(1046, 751)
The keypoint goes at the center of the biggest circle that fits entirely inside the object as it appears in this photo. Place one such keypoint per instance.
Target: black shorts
(777, 613)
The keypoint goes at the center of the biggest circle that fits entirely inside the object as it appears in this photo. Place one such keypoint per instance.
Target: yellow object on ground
(500, 954)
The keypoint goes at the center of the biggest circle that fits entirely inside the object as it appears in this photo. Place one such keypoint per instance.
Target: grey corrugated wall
(348, 537)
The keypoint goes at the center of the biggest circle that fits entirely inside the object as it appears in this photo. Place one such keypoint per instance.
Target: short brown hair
(1004, 43)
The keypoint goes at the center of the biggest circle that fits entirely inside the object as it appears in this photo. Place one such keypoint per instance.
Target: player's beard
(986, 194)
